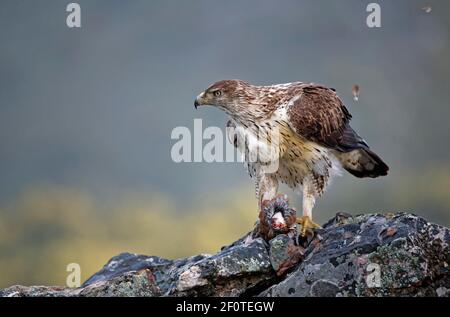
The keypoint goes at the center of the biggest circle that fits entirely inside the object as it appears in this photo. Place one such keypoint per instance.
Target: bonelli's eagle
(306, 124)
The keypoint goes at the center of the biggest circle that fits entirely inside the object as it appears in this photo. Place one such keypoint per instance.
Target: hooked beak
(199, 100)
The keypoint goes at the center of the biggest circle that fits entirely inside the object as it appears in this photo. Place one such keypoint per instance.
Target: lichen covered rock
(373, 255)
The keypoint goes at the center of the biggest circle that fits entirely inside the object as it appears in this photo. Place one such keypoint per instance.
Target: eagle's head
(235, 97)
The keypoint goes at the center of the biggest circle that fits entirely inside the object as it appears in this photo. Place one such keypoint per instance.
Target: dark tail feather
(363, 163)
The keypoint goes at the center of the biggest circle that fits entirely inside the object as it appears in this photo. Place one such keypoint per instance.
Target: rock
(366, 255)
(373, 255)
(284, 253)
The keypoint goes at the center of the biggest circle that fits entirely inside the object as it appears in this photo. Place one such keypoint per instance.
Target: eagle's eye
(217, 93)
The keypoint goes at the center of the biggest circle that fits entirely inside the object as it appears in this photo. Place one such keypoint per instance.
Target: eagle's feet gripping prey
(276, 217)
(307, 224)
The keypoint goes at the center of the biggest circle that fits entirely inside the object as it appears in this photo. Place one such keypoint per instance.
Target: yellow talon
(306, 224)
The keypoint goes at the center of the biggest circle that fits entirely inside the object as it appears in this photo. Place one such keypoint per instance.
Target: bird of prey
(315, 140)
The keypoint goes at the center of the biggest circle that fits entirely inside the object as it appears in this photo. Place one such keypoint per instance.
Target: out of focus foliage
(49, 227)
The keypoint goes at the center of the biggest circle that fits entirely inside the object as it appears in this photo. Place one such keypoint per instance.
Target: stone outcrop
(365, 255)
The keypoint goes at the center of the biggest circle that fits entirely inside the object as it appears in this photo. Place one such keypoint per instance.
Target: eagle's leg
(305, 221)
(266, 188)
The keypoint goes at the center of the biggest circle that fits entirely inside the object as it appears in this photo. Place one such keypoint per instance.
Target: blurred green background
(86, 117)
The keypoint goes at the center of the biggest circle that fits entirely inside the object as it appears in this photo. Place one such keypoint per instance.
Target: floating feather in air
(355, 91)
(427, 9)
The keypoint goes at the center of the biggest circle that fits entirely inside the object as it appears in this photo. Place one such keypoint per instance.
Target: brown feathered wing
(317, 114)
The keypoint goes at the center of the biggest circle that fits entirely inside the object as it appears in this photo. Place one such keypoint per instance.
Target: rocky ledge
(365, 255)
